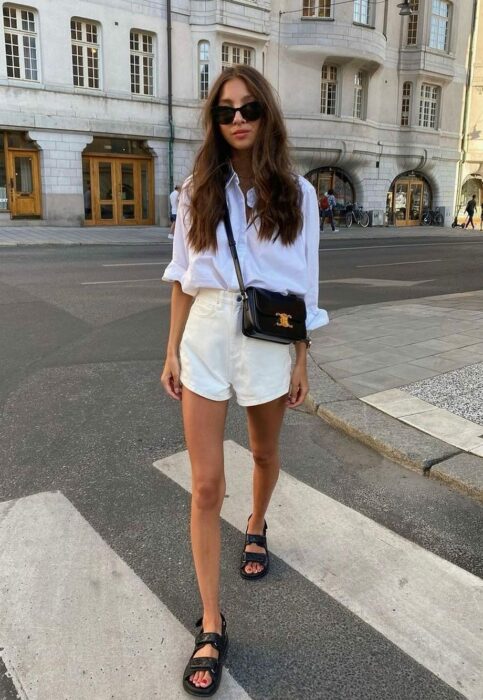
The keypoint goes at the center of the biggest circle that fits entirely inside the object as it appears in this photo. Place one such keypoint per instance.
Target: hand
(299, 386)
(170, 378)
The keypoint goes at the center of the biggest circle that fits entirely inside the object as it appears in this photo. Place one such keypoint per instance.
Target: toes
(206, 680)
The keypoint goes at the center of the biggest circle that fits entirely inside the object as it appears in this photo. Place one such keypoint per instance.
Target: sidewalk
(129, 235)
(404, 377)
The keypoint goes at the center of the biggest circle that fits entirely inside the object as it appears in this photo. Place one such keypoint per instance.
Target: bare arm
(180, 308)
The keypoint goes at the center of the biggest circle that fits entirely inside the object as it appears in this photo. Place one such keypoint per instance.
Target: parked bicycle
(432, 217)
(355, 213)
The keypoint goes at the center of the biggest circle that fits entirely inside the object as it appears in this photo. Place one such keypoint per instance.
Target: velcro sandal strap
(253, 556)
(204, 663)
(260, 540)
(209, 638)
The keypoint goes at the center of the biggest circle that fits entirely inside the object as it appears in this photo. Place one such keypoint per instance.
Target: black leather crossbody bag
(279, 318)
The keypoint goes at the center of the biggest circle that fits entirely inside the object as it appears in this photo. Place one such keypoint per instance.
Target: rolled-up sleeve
(316, 317)
(178, 267)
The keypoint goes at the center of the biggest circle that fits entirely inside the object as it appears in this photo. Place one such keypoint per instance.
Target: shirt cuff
(316, 318)
(174, 273)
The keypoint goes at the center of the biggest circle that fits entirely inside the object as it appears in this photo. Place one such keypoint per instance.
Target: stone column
(159, 150)
(61, 175)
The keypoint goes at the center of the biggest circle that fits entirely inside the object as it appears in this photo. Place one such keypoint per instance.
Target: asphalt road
(82, 337)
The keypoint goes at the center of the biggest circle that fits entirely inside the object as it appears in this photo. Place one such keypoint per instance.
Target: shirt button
(238, 298)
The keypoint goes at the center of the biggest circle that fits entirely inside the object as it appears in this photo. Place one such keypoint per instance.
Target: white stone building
(373, 101)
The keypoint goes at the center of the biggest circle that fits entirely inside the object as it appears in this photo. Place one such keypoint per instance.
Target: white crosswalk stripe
(76, 623)
(425, 605)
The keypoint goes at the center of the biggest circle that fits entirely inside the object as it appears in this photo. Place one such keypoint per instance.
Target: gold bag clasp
(284, 320)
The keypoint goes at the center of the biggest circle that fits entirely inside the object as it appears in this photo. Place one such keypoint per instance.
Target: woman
(274, 215)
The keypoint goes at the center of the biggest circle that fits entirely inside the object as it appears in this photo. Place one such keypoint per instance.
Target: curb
(402, 443)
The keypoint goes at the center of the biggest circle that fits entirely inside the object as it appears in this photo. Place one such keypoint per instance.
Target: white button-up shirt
(292, 269)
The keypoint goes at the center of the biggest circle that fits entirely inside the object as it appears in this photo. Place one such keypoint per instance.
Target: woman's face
(240, 134)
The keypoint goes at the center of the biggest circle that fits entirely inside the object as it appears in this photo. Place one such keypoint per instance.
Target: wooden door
(121, 191)
(24, 184)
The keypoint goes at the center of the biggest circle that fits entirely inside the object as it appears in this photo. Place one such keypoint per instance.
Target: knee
(265, 458)
(208, 495)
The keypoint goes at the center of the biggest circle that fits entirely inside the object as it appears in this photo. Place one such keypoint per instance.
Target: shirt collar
(231, 176)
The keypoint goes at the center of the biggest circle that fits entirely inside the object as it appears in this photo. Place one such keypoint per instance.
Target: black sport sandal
(255, 557)
(206, 663)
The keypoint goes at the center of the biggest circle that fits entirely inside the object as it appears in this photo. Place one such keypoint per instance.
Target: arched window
(20, 42)
(328, 90)
(203, 68)
(327, 178)
(85, 53)
(406, 104)
(142, 62)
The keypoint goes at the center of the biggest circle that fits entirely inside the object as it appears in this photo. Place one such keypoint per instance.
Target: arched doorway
(327, 178)
(472, 185)
(410, 195)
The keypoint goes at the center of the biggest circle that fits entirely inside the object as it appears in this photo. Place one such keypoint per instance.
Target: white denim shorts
(217, 359)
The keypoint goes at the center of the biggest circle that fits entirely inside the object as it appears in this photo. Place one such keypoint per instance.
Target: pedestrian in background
(481, 218)
(173, 201)
(470, 210)
(326, 207)
(243, 168)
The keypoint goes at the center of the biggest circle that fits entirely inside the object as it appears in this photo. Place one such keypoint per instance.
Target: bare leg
(204, 425)
(264, 423)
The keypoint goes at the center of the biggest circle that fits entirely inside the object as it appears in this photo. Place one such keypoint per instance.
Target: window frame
(146, 73)
(413, 24)
(85, 45)
(428, 101)
(369, 6)
(236, 49)
(203, 63)
(359, 101)
(21, 35)
(318, 9)
(325, 82)
(439, 20)
(406, 104)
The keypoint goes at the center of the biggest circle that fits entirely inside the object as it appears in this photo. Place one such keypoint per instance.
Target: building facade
(373, 101)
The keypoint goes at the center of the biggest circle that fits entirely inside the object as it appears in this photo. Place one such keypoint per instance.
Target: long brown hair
(278, 194)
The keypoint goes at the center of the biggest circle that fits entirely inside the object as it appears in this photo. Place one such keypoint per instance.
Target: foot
(202, 679)
(170, 235)
(254, 528)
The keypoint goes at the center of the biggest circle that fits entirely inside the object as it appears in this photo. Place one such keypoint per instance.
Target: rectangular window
(429, 106)
(20, 43)
(438, 37)
(406, 104)
(142, 63)
(328, 90)
(234, 55)
(85, 53)
(359, 107)
(362, 11)
(317, 8)
(412, 38)
(204, 68)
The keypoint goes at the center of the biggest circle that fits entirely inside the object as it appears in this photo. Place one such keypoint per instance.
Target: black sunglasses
(225, 115)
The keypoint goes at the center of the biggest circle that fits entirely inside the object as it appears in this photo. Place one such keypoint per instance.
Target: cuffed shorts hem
(258, 402)
(205, 395)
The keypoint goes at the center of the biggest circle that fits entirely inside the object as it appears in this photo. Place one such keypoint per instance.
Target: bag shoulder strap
(234, 254)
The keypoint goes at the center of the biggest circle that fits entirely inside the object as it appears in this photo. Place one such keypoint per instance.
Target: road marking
(422, 603)
(162, 262)
(400, 245)
(408, 262)
(368, 282)
(75, 621)
(147, 279)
